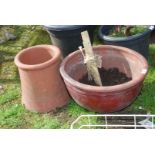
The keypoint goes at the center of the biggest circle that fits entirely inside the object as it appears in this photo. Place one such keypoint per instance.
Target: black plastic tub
(138, 42)
(68, 37)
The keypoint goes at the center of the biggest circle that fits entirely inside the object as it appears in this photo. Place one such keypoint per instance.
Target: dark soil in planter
(109, 77)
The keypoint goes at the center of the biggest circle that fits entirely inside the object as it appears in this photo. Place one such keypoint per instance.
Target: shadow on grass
(8, 57)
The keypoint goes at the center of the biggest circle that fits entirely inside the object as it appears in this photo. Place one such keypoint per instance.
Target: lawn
(14, 115)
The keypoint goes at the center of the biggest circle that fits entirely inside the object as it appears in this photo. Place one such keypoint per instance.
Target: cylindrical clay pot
(105, 98)
(43, 89)
(68, 37)
(138, 42)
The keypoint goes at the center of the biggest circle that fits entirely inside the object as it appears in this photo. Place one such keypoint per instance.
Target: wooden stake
(90, 59)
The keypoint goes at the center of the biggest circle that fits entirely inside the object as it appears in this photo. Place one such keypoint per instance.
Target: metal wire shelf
(130, 121)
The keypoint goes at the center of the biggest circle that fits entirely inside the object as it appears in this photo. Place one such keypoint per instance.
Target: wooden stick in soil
(90, 59)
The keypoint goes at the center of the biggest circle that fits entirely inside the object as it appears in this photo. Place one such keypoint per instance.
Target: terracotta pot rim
(102, 89)
(55, 56)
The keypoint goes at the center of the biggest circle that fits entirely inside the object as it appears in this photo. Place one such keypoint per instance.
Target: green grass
(14, 115)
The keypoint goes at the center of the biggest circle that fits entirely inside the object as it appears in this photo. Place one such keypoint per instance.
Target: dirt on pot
(109, 77)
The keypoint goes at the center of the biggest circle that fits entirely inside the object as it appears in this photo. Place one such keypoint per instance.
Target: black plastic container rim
(64, 27)
(124, 39)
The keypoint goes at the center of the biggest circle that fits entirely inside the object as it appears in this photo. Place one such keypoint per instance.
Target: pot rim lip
(61, 28)
(102, 89)
(53, 60)
(124, 39)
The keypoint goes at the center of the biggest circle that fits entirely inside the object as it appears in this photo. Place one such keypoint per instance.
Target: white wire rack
(131, 121)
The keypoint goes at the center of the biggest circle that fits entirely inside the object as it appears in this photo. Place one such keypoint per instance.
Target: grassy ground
(14, 115)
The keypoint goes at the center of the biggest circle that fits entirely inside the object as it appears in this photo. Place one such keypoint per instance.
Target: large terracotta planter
(105, 98)
(43, 89)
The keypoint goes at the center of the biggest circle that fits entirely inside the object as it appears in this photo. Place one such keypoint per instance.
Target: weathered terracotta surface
(106, 98)
(43, 89)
